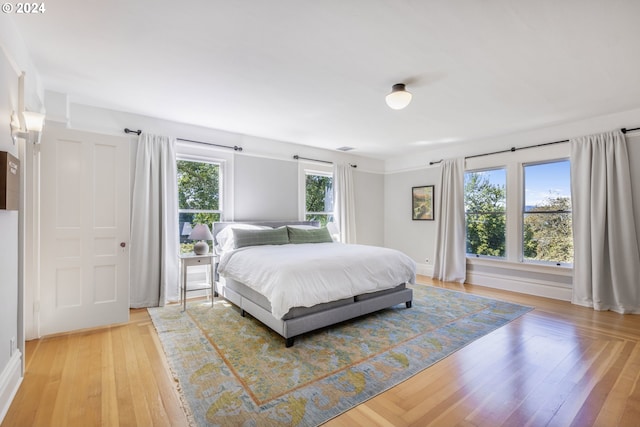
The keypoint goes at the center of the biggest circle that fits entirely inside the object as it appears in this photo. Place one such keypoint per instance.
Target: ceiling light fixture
(399, 97)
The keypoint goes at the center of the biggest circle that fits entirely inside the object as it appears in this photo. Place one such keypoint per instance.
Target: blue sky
(541, 181)
(548, 179)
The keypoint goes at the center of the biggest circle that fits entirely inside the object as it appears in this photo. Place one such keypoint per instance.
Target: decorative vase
(201, 248)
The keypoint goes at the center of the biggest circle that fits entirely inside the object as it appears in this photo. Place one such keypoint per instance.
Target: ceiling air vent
(344, 148)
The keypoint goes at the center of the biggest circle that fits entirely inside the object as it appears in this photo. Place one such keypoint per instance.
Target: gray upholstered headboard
(218, 226)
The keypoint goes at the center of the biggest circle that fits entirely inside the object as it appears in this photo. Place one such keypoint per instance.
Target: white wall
(369, 195)
(416, 238)
(265, 189)
(265, 176)
(14, 60)
(626, 119)
(9, 283)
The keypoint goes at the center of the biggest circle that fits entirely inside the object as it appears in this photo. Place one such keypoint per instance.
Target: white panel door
(84, 220)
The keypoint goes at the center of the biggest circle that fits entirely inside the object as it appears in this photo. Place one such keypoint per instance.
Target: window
(485, 212)
(199, 196)
(546, 217)
(318, 197)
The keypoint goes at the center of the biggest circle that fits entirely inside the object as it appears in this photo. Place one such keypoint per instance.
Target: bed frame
(301, 320)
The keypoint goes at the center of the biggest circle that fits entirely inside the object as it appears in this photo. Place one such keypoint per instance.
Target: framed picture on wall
(422, 203)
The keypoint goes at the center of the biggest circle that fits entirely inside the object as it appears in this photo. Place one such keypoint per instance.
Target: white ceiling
(316, 72)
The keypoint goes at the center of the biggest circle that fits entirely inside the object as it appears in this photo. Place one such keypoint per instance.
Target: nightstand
(190, 260)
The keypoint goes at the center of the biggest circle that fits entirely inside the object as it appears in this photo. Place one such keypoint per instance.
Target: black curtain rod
(235, 147)
(623, 130)
(296, 157)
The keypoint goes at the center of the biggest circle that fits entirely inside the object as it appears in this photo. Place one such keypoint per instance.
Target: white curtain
(450, 261)
(345, 202)
(154, 223)
(606, 266)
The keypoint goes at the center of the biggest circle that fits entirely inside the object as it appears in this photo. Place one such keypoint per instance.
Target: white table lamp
(201, 232)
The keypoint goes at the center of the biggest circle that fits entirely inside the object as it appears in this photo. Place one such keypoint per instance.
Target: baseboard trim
(521, 285)
(10, 380)
(424, 270)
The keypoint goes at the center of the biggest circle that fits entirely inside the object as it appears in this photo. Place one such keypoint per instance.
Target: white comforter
(303, 275)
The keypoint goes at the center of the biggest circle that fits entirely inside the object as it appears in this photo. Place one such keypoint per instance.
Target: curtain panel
(154, 223)
(345, 202)
(450, 262)
(606, 255)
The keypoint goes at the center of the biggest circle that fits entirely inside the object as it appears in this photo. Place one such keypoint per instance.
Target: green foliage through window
(485, 212)
(198, 198)
(319, 198)
(547, 228)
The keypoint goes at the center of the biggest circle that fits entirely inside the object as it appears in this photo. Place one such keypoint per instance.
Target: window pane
(319, 193)
(323, 219)
(198, 192)
(485, 212)
(547, 186)
(548, 237)
(198, 185)
(547, 232)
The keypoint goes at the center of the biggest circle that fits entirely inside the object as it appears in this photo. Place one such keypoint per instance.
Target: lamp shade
(201, 232)
(399, 97)
(186, 229)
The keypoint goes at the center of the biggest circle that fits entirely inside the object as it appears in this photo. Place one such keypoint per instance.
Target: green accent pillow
(311, 235)
(243, 238)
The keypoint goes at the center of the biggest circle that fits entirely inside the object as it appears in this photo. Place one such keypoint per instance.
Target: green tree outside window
(547, 228)
(485, 212)
(198, 198)
(319, 198)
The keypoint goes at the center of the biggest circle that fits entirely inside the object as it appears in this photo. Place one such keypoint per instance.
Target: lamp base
(201, 248)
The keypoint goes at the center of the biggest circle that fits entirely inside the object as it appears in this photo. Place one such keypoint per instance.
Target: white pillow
(225, 236)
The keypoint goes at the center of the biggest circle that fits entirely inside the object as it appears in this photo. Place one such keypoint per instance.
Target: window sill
(560, 270)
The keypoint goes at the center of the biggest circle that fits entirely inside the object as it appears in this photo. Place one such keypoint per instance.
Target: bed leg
(408, 304)
(289, 342)
(242, 313)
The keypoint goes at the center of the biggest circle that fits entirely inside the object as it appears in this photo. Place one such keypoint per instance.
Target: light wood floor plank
(559, 365)
(108, 399)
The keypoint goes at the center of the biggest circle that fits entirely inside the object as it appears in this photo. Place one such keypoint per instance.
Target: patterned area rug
(234, 371)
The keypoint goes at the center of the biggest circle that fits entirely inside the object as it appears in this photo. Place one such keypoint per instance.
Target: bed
(292, 277)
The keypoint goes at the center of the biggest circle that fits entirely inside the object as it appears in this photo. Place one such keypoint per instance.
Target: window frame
(220, 209)
(496, 257)
(513, 161)
(524, 212)
(204, 153)
(312, 168)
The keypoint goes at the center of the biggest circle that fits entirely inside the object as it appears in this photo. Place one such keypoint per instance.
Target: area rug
(234, 371)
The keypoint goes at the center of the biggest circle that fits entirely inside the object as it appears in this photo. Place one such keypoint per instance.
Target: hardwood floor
(559, 365)
(114, 376)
